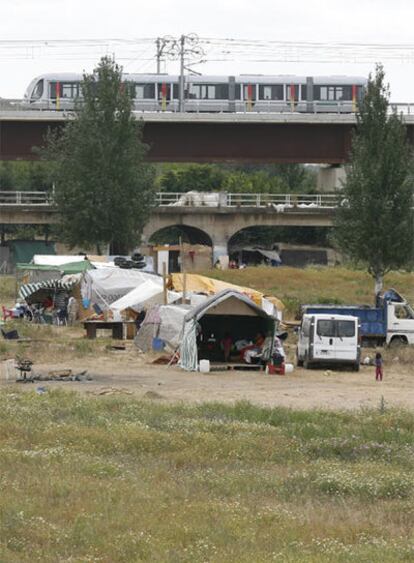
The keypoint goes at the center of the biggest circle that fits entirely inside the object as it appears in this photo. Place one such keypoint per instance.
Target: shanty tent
(35, 292)
(164, 322)
(104, 286)
(145, 295)
(203, 284)
(230, 312)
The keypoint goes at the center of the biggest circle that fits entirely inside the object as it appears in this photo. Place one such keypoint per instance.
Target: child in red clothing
(378, 367)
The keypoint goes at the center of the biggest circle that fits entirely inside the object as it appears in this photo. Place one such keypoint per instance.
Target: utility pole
(159, 53)
(181, 87)
(179, 49)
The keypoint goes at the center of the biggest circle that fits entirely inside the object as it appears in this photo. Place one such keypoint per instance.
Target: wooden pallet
(241, 367)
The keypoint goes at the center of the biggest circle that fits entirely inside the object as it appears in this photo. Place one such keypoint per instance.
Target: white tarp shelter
(52, 260)
(145, 295)
(107, 285)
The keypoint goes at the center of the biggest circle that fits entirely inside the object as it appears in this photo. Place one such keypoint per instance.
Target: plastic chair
(7, 313)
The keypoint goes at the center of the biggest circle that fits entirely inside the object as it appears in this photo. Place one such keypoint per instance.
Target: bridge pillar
(219, 249)
(330, 178)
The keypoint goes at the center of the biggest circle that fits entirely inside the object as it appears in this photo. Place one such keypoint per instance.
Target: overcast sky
(381, 22)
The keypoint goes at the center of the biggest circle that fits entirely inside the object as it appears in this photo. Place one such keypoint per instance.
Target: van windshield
(330, 328)
(345, 329)
(326, 328)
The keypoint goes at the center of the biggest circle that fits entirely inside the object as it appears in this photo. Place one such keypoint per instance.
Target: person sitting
(253, 351)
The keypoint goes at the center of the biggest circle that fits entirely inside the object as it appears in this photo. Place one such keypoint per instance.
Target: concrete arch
(189, 234)
(221, 223)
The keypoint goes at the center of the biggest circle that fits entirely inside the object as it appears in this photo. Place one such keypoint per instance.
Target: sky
(382, 29)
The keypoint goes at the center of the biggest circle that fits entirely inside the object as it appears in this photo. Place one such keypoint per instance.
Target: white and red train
(258, 93)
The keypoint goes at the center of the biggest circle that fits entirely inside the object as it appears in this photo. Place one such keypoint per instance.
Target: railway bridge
(284, 137)
(208, 218)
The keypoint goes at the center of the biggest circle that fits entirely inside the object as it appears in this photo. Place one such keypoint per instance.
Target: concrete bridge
(206, 218)
(207, 137)
(210, 137)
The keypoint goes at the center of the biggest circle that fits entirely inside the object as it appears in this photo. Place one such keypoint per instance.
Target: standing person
(378, 367)
(227, 345)
(72, 310)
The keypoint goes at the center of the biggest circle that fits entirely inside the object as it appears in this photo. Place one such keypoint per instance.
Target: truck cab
(329, 339)
(400, 323)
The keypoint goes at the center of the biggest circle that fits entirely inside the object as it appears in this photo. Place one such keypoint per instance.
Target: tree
(185, 178)
(103, 188)
(374, 226)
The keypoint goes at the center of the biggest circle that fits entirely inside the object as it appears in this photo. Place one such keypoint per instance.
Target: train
(212, 94)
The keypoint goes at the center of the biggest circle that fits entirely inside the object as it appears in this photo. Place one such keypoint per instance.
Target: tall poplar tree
(103, 188)
(374, 225)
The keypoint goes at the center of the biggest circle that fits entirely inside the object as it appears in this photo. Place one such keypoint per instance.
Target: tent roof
(148, 292)
(68, 268)
(218, 298)
(29, 289)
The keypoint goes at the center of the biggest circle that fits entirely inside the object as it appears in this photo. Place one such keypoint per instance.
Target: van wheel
(299, 362)
(398, 341)
(355, 367)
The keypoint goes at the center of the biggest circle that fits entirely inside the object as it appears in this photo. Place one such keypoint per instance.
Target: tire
(356, 366)
(398, 341)
(299, 362)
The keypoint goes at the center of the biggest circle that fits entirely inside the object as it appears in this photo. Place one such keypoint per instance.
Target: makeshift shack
(228, 314)
(145, 296)
(164, 323)
(198, 284)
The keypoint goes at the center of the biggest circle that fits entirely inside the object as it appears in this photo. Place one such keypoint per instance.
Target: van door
(346, 341)
(324, 339)
(303, 339)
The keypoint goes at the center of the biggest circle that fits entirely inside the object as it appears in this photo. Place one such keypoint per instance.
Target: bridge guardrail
(235, 200)
(263, 106)
(25, 198)
(198, 199)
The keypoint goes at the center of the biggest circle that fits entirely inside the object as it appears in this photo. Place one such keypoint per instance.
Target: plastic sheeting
(51, 260)
(107, 285)
(188, 350)
(146, 295)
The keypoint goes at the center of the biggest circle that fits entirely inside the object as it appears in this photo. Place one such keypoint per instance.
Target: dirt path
(301, 389)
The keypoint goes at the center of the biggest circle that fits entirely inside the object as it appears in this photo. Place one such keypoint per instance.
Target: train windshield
(37, 91)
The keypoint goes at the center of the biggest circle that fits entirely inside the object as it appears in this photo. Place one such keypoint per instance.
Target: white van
(329, 339)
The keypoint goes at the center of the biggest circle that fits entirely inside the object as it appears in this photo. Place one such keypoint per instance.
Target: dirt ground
(132, 373)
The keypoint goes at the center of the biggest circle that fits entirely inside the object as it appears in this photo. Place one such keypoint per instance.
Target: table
(117, 328)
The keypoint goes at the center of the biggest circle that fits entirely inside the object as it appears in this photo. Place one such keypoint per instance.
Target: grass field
(295, 286)
(118, 480)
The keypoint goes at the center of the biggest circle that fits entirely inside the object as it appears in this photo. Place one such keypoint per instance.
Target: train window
(237, 93)
(271, 92)
(202, 91)
(222, 91)
(68, 90)
(38, 90)
(333, 93)
(144, 91)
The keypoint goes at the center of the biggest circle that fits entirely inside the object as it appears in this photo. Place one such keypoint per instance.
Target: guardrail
(236, 200)
(197, 199)
(25, 198)
(201, 106)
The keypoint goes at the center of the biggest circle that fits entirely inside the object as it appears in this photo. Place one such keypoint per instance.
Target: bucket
(204, 366)
(289, 368)
(158, 344)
